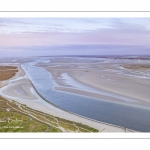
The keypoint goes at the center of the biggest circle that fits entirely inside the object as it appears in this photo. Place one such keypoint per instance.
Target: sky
(74, 36)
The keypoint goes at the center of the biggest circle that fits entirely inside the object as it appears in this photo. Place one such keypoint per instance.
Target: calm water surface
(118, 114)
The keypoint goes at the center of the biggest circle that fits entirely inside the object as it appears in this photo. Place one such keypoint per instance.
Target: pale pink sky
(27, 32)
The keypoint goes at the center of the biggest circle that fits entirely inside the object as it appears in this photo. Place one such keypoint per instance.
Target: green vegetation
(16, 117)
(137, 66)
(7, 72)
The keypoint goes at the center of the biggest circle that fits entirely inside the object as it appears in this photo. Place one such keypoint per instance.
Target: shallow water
(133, 117)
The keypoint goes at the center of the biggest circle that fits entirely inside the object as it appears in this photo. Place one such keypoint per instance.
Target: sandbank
(118, 84)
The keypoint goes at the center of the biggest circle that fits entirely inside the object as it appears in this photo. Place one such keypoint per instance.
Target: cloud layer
(31, 32)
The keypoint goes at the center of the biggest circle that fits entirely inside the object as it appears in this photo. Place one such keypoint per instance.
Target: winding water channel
(133, 117)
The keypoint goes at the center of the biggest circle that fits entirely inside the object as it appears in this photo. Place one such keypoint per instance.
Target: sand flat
(109, 77)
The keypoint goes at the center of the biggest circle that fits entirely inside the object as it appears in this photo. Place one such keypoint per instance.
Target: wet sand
(111, 79)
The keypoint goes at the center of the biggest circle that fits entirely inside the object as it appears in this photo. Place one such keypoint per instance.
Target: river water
(133, 117)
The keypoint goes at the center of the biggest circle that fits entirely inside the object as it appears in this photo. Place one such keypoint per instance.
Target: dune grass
(16, 117)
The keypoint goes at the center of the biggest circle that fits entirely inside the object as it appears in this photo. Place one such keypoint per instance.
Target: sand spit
(19, 88)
